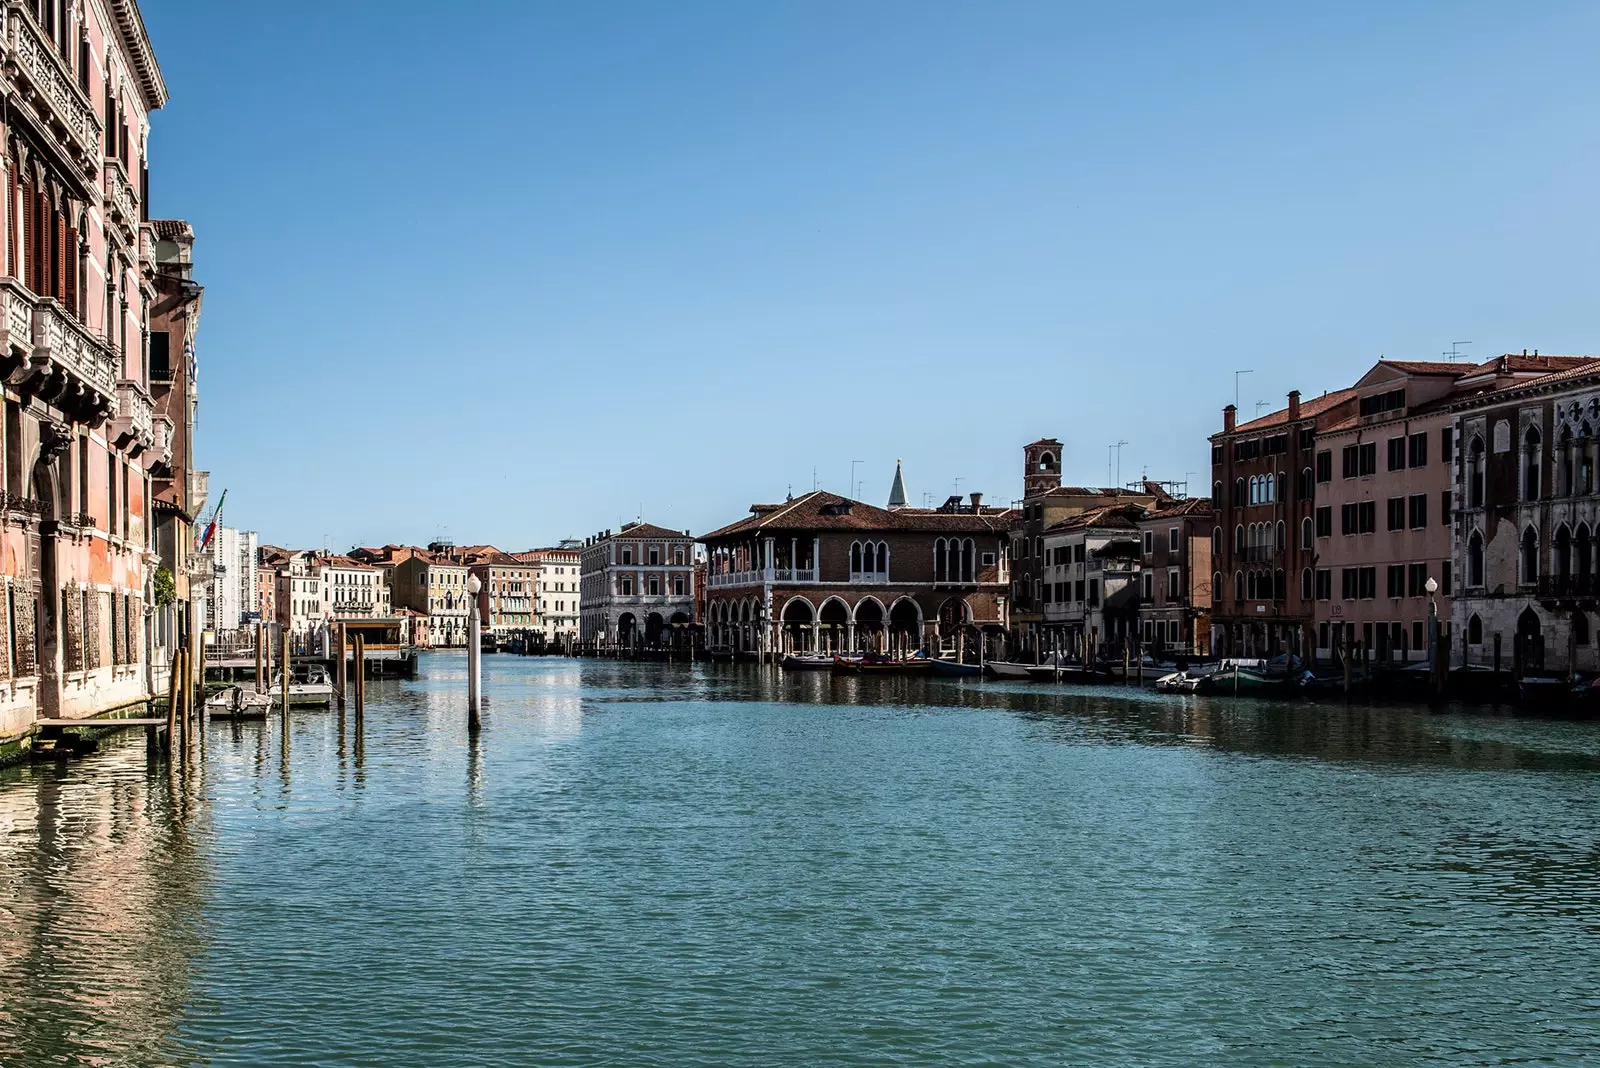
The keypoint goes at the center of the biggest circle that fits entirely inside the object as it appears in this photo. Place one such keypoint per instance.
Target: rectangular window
(655, 587)
(1094, 592)
(1172, 539)
(627, 587)
(1397, 513)
(1348, 520)
(1417, 450)
(1149, 584)
(1369, 516)
(1447, 445)
(1369, 458)
(1174, 590)
(1396, 580)
(1444, 578)
(1417, 640)
(1325, 466)
(655, 556)
(1348, 583)
(1416, 579)
(1324, 582)
(1325, 521)
(1322, 634)
(1397, 454)
(1419, 510)
(1369, 583)
(1078, 591)
(1350, 458)
(1149, 542)
(627, 555)
(1444, 507)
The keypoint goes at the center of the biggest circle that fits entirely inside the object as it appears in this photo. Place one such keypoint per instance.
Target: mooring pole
(261, 657)
(174, 676)
(474, 655)
(361, 677)
(283, 653)
(341, 674)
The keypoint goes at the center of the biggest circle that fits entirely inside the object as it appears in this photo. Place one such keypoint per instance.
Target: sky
(514, 271)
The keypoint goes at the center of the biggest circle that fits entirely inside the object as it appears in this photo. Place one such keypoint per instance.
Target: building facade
(356, 590)
(233, 601)
(557, 589)
(78, 445)
(1264, 490)
(507, 591)
(822, 572)
(1089, 571)
(1526, 521)
(636, 587)
(430, 583)
(1175, 577)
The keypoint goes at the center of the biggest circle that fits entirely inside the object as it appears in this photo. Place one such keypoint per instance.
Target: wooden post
(360, 666)
(261, 657)
(1497, 653)
(174, 679)
(341, 673)
(1126, 666)
(283, 653)
(1349, 656)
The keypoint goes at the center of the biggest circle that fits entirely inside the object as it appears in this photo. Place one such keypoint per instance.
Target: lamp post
(1432, 587)
(474, 654)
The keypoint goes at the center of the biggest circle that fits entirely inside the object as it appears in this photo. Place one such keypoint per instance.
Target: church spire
(897, 492)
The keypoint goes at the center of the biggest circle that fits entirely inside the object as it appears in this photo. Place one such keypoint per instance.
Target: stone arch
(905, 625)
(1475, 558)
(954, 614)
(871, 619)
(1528, 562)
(1474, 630)
(797, 618)
(834, 619)
(654, 629)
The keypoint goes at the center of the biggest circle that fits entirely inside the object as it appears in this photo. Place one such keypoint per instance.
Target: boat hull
(953, 669)
(1000, 669)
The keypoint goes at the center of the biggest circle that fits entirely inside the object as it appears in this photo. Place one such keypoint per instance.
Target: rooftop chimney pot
(1294, 405)
(1228, 415)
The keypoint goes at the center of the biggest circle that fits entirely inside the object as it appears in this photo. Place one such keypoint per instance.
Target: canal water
(665, 864)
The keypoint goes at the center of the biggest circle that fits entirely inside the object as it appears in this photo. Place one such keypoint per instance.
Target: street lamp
(1432, 587)
(474, 653)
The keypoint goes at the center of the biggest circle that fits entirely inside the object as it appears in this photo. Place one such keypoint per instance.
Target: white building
(355, 590)
(232, 601)
(558, 589)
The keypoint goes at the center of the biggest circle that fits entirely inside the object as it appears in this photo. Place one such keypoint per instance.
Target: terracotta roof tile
(1427, 367)
(821, 510)
(1308, 408)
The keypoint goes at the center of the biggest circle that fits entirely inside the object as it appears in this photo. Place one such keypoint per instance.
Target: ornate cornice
(130, 28)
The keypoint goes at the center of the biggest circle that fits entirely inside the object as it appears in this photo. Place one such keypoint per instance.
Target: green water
(676, 865)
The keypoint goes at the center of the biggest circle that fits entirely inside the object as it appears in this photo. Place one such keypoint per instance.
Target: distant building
(233, 600)
(558, 589)
(508, 588)
(636, 587)
(430, 583)
(356, 590)
(1175, 580)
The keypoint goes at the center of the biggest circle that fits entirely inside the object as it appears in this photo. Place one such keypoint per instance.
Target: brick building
(823, 572)
(636, 587)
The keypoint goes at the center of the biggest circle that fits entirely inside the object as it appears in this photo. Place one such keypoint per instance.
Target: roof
(345, 562)
(646, 530)
(1426, 367)
(1114, 517)
(538, 556)
(1192, 506)
(1042, 441)
(172, 229)
(130, 25)
(821, 510)
(1092, 491)
(1308, 409)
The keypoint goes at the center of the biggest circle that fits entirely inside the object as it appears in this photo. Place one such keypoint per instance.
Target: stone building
(823, 572)
(1089, 572)
(233, 600)
(1175, 577)
(1045, 503)
(78, 444)
(636, 587)
(356, 590)
(557, 589)
(428, 582)
(1527, 518)
(1263, 490)
(507, 591)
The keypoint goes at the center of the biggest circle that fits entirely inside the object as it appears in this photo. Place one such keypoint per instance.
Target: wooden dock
(56, 724)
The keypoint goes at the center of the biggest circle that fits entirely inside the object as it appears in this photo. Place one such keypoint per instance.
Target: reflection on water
(673, 864)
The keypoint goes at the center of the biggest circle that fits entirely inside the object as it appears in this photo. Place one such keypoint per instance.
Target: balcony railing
(122, 205)
(757, 577)
(16, 317)
(135, 421)
(1569, 585)
(161, 427)
(199, 486)
(39, 69)
(75, 360)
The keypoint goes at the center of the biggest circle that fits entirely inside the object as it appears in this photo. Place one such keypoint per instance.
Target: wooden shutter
(30, 210)
(13, 223)
(73, 264)
(59, 235)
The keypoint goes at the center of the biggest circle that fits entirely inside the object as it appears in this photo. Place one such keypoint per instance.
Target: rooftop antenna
(1260, 405)
(853, 464)
(927, 498)
(1236, 375)
(813, 478)
(1115, 448)
(958, 485)
(1455, 352)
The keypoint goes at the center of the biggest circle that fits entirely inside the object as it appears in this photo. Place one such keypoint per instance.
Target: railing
(869, 578)
(65, 341)
(135, 415)
(1569, 585)
(120, 198)
(15, 502)
(37, 63)
(16, 314)
(794, 574)
(756, 578)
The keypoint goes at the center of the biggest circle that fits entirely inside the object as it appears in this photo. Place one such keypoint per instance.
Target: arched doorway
(46, 604)
(869, 625)
(654, 628)
(905, 627)
(627, 630)
(680, 630)
(953, 615)
(1530, 641)
(835, 620)
(797, 619)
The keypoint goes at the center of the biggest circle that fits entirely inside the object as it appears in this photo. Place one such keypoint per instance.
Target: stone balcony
(48, 89)
(134, 427)
(162, 427)
(68, 368)
(122, 202)
(16, 319)
(199, 487)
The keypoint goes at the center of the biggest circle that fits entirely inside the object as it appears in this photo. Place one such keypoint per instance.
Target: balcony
(134, 426)
(1569, 587)
(199, 486)
(16, 318)
(45, 83)
(122, 203)
(70, 367)
(162, 427)
(756, 578)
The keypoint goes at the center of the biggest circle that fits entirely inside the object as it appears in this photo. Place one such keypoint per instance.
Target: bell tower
(1041, 467)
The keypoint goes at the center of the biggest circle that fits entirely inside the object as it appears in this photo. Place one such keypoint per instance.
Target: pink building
(80, 81)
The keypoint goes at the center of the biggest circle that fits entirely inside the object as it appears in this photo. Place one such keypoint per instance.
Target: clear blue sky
(514, 271)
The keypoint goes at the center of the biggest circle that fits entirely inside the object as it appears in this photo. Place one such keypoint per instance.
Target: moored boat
(806, 662)
(1005, 669)
(955, 668)
(873, 665)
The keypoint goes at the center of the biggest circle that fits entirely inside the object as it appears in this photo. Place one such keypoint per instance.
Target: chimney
(1294, 405)
(977, 502)
(1228, 414)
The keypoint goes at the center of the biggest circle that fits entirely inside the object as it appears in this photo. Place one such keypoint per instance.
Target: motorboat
(1004, 669)
(955, 668)
(807, 662)
(880, 665)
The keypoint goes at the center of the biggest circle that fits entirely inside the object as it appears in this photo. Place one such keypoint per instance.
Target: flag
(201, 542)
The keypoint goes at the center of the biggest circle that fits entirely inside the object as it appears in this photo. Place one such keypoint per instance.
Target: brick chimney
(1294, 405)
(1228, 414)
(977, 502)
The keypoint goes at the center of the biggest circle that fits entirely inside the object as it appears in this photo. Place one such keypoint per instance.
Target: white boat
(1001, 669)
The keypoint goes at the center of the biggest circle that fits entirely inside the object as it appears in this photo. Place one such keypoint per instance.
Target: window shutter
(72, 265)
(60, 237)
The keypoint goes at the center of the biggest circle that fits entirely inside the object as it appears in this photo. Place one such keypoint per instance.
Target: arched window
(855, 557)
(1583, 551)
(1580, 628)
(1474, 630)
(1238, 585)
(1305, 584)
(1563, 553)
(1307, 530)
(1283, 539)
(966, 560)
(1475, 473)
(1565, 485)
(1530, 464)
(1216, 494)
(938, 560)
(1238, 493)
(1280, 586)
(1585, 447)
(1250, 585)
(1045, 460)
(1255, 489)
(1282, 489)
(1238, 538)
(883, 558)
(1216, 541)
(1530, 557)
(1475, 559)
